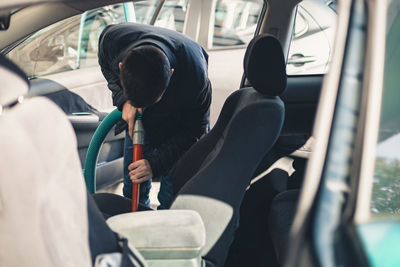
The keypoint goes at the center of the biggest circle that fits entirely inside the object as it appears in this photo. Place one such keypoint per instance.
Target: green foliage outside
(386, 188)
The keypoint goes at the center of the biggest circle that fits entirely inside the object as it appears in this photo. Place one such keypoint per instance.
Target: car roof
(79, 4)
(28, 16)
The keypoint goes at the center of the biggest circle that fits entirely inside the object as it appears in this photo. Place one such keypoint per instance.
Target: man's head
(145, 73)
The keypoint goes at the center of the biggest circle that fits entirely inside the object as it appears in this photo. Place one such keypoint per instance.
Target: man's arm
(111, 74)
(109, 67)
(113, 83)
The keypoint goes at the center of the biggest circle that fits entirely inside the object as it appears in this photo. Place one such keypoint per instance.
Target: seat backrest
(43, 214)
(212, 176)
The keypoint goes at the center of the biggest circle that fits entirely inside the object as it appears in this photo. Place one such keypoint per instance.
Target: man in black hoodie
(163, 75)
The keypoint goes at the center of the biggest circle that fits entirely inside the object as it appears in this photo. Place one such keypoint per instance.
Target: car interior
(236, 189)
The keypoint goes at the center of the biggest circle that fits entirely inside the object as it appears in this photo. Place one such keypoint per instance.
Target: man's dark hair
(144, 75)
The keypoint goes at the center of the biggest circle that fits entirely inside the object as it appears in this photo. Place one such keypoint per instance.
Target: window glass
(66, 45)
(312, 39)
(235, 22)
(52, 49)
(93, 24)
(144, 11)
(171, 16)
(386, 184)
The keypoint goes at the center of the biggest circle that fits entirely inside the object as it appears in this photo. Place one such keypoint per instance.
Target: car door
(312, 39)
(61, 62)
(348, 214)
(376, 207)
(308, 60)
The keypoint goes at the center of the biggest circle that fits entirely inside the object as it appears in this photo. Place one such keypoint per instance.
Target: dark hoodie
(182, 116)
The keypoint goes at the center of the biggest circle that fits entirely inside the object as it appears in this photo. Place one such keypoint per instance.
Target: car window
(171, 16)
(47, 50)
(235, 22)
(385, 199)
(312, 38)
(93, 24)
(66, 45)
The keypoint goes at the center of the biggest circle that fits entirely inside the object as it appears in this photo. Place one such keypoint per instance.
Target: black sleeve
(111, 74)
(114, 85)
(195, 125)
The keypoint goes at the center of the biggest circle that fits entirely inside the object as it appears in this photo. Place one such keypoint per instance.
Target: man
(163, 75)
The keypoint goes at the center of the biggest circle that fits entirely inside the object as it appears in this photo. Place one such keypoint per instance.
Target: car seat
(43, 204)
(46, 216)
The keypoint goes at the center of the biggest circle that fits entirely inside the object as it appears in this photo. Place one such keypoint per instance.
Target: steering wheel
(92, 154)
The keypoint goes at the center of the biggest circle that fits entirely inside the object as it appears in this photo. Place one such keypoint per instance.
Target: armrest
(166, 234)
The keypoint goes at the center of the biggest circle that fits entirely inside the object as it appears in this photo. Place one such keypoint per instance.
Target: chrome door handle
(299, 60)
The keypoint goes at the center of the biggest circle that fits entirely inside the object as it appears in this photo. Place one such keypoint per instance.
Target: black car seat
(281, 217)
(47, 217)
(212, 177)
(283, 209)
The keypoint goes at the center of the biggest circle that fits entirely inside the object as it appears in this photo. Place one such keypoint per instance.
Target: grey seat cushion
(163, 234)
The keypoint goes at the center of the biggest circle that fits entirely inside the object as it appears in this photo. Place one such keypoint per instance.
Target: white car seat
(43, 216)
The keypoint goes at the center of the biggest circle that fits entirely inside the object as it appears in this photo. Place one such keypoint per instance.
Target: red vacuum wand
(138, 142)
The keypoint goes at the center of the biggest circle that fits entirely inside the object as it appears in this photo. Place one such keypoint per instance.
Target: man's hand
(129, 115)
(140, 171)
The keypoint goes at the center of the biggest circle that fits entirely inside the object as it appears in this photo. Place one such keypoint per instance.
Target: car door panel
(72, 97)
(89, 83)
(301, 99)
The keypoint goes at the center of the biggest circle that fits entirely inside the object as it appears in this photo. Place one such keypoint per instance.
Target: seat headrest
(14, 82)
(264, 65)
